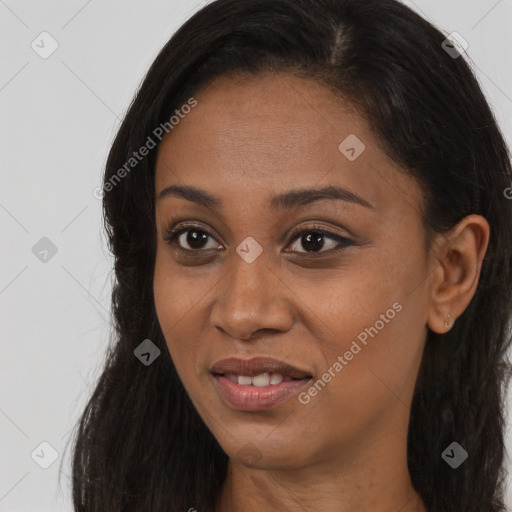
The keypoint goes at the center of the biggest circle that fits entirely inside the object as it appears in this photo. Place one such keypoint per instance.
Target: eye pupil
(312, 241)
(196, 238)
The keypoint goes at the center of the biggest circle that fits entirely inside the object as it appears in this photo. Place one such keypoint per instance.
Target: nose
(251, 300)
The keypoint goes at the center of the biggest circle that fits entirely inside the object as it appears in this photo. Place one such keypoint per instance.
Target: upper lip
(257, 366)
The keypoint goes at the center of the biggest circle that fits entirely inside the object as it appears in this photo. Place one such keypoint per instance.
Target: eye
(192, 236)
(313, 240)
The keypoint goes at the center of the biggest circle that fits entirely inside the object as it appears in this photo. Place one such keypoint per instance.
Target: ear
(456, 262)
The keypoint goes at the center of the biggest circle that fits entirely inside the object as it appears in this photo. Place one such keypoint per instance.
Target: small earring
(447, 324)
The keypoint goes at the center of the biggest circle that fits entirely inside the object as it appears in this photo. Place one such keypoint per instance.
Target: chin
(262, 453)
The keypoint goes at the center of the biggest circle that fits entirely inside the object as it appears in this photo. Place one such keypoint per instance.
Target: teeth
(261, 380)
(276, 378)
(264, 379)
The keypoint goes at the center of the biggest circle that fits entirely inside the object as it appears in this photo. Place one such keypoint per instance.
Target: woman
(306, 205)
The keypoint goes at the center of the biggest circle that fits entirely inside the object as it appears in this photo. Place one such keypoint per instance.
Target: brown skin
(248, 139)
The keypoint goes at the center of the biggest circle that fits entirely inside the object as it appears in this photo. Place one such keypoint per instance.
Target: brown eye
(314, 240)
(190, 238)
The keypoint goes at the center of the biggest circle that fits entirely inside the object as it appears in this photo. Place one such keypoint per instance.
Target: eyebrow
(287, 200)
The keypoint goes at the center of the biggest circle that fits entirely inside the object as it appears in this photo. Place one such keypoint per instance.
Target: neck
(310, 489)
(369, 476)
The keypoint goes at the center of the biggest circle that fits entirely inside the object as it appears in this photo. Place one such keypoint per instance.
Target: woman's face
(302, 242)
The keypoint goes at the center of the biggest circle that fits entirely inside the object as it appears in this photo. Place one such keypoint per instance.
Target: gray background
(57, 120)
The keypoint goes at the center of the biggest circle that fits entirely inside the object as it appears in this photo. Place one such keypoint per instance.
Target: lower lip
(254, 398)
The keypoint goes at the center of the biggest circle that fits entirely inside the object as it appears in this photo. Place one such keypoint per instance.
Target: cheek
(177, 302)
(369, 371)
(179, 292)
(342, 305)
(377, 318)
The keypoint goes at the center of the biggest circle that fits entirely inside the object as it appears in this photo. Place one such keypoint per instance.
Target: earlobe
(457, 261)
(448, 322)
(440, 321)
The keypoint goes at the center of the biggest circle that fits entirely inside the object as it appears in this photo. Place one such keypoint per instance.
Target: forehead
(271, 133)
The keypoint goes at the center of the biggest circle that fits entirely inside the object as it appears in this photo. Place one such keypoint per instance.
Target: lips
(257, 384)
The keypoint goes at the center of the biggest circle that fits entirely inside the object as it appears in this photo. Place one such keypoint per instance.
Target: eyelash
(171, 234)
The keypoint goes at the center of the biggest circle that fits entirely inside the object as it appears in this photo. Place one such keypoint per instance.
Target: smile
(257, 384)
